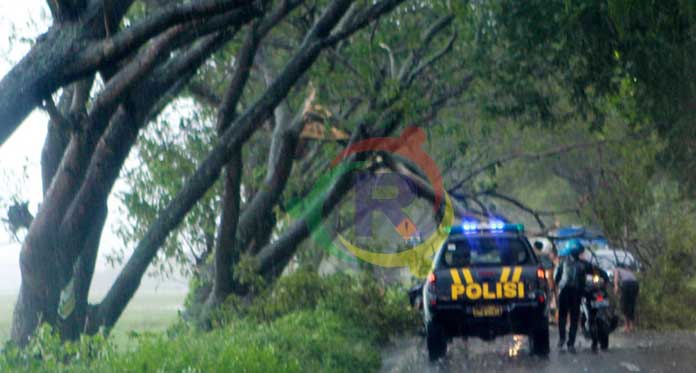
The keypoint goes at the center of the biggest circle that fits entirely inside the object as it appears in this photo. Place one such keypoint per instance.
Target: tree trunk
(73, 201)
(273, 258)
(56, 138)
(76, 323)
(226, 250)
(36, 305)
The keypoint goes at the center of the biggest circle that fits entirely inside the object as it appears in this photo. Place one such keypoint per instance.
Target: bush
(305, 323)
(658, 228)
(667, 301)
(314, 341)
(46, 352)
(359, 299)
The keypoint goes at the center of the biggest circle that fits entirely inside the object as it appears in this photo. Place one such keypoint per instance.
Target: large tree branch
(362, 19)
(43, 69)
(426, 40)
(273, 258)
(256, 220)
(67, 53)
(76, 322)
(67, 180)
(56, 138)
(524, 156)
(433, 58)
(537, 214)
(245, 60)
(204, 94)
(128, 40)
(226, 241)
(226, 247)
(117, 141)
(520, 206)
(121, 83)
(206, 174)
(281, 157)
(66, 10)
(419, 182)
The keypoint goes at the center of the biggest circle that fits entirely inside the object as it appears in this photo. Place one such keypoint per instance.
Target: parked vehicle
(486, 282)
(597, 317)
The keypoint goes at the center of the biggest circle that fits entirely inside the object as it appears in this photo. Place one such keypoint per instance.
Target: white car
(608, 259)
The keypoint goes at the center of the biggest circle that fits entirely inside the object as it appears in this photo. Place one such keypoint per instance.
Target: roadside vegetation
(305, 323)
(668, 296)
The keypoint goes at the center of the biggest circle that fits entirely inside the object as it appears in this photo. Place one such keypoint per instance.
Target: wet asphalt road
(641, 351)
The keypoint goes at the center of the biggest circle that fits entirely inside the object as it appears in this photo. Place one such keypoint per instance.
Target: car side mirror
(538, 245)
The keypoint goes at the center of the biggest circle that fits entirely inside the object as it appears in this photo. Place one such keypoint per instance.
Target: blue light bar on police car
(470, 227)
(496, 225)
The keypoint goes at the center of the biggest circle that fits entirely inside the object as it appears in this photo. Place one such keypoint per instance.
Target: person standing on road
(570, 279)
(553, 288)
(626, 284)
(547, 257)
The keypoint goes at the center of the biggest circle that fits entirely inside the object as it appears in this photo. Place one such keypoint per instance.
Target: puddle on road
(514, 350)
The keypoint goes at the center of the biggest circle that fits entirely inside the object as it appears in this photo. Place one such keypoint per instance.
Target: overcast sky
(20, 155)
(23, 149)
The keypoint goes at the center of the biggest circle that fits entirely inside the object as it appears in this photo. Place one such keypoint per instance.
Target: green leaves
(167, 154)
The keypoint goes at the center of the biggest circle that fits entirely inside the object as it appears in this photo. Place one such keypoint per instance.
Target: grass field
(147, 312)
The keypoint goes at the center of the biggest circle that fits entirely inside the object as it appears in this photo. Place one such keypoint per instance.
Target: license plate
(488, 311)
(600, 303)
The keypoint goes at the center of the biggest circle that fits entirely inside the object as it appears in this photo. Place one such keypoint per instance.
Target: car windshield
(604, 263)
(484, 251)
(618, 259)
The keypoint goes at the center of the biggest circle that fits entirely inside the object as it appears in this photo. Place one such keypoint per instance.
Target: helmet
(572, 247)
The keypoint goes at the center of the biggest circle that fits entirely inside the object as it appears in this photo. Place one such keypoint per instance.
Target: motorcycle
(596, 314)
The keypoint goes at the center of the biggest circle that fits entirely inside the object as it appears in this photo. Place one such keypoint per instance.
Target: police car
(485, 282)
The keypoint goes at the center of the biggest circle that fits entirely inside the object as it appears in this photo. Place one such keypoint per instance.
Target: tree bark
(226, 253)
(273, 258)
(256, 223)
(71, 51)
(56, 139)
(226, 249)
(43, 69)
(77, 322)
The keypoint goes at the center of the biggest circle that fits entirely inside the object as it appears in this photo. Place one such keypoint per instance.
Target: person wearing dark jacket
(570, 279)
(626, 285)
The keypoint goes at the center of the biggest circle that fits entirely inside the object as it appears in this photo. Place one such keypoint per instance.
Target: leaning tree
(366, 88)
(141, 54)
